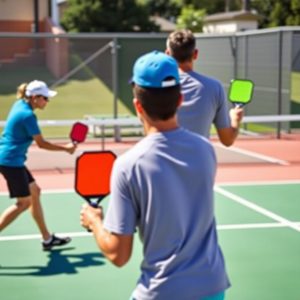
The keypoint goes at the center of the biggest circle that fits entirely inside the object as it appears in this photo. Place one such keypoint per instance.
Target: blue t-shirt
(163, 187)
(204, 104)
(21, 125)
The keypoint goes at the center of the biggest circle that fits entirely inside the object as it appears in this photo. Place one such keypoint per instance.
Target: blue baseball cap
(155, 70)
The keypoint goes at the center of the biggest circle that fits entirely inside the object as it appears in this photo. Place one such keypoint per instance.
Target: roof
(232, 15)
(165, 25)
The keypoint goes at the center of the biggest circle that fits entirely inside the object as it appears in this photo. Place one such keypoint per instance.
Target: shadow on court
(58, 263)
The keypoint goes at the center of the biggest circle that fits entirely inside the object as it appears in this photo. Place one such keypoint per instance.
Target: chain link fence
(92, 71)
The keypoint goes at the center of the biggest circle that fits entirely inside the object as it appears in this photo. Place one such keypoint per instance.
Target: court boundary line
(253, 226)
(260, 182)
(9, 238)
(255, 155)
(49, 191)
(257, 208)
(246, 183)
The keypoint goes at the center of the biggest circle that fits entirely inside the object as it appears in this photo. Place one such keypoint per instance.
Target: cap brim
(130, 81)
(51, 93)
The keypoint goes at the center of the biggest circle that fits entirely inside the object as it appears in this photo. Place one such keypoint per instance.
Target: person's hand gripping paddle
(240, 92)
(78, 133)
(92, 175)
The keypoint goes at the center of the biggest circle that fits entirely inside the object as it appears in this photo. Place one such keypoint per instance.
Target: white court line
(255, 155)
(261, 182)
(87, 234)
(38, 236)
(253, 226)
(234, 183)
(257, 208)
(54, 191)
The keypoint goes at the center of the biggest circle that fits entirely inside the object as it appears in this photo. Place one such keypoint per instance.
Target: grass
(76, 98)
(295, 87)
(84, 94)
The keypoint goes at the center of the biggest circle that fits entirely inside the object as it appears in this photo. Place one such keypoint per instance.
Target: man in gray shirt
(204, 101)
(163, 187)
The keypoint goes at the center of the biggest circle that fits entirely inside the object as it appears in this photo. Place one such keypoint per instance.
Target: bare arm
(42, 143)
(228, 135)
(116, 247)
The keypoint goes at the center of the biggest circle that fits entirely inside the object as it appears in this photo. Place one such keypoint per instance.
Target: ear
(180, 100)
(195, 55)
(138, 106)
(167, 51)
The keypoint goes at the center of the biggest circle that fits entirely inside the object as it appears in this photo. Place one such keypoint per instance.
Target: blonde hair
(21, 91)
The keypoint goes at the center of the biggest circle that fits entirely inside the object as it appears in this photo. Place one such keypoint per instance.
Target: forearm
(50, 146)
(110, 244)
(116, 247)
(228, 135)
(234, 130)
(103, 238)
(43, 144)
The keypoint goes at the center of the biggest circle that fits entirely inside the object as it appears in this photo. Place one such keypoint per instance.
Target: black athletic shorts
(18, 180)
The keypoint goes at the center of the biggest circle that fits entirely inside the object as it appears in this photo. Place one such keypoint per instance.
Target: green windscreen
(241, 91)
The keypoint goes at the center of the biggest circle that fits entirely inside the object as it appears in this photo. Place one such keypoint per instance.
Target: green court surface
(258, 227)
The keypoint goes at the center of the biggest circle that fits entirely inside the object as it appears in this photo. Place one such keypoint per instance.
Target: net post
(114, 53)
(102, 136)
(279, 91)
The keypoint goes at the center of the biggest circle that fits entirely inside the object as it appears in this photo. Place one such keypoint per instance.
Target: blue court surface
(258, 227)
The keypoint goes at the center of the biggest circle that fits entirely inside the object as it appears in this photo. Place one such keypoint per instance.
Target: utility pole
(246, 5)
(227, 5)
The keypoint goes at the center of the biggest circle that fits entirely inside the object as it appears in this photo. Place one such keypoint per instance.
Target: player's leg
(13, 211)
(37, 210)
(16, 180)
(49, 240)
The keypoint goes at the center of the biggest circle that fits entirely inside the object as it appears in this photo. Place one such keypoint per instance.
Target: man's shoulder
(130, 157)
(197, 139)
(204, 78)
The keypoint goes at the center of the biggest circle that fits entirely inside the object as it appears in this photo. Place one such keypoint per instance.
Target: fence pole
(279, 91)
(114, 52)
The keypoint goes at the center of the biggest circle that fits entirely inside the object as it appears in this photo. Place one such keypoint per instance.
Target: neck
(32, 103)
(186, 66)
(151, 126)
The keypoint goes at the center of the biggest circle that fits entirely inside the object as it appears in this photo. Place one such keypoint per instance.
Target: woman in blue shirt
(20, 130)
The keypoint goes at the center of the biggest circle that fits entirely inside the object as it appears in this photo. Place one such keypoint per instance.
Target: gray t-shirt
(204, 103)
(163, 187)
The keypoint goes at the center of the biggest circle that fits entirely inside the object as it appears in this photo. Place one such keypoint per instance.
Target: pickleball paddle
(78, 132)
(240, 91)
(92, 175)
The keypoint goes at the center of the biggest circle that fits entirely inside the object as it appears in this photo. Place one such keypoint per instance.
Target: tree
(191, 18)
(168, 9)
(294, 18)
(107, 16)
(214, 6)
(274, 13)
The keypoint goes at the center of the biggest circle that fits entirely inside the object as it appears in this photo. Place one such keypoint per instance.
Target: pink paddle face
(78, 133)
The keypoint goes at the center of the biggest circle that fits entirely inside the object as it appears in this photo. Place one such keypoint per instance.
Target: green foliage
(168, 9)
(278, 15)
(191, 18)
(275, 13)
(134, 15)
(107, 16)
(294, 18)
(214, 6)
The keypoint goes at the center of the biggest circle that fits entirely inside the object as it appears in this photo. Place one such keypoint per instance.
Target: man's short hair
(156, 84)
(181, 44)
(159, 104)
